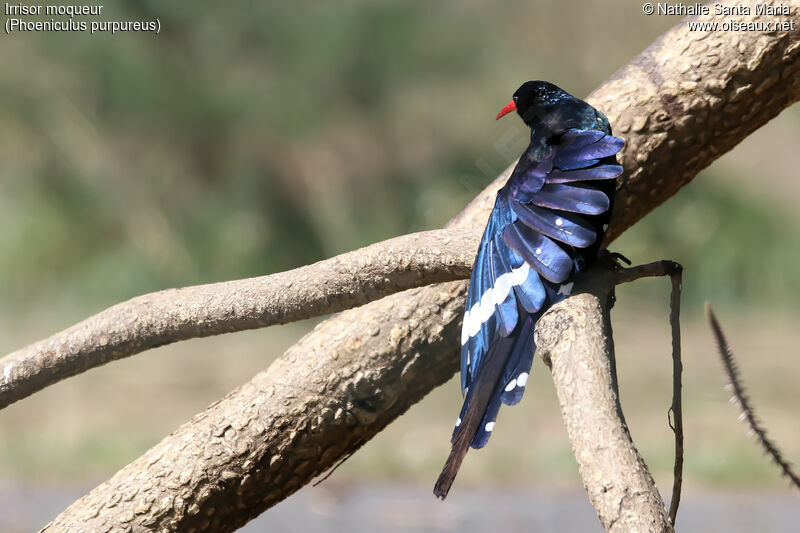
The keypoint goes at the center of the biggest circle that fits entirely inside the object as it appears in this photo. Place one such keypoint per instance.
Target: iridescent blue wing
(479, 321)
(583, 199)
(524, 263)
(570, 229)
(545, 229)
(577, 156)
(584, 148)
(488, 296)
(539, 251)
(530, 173)
(502, 286)
(598, 172)
(531, 295)
(504, 292)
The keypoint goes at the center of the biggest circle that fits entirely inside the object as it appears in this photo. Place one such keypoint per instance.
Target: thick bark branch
(164, 317)
(691, 97)
(358, 371)
(574, 338)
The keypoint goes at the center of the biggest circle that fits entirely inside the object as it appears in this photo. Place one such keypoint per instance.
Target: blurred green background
(254, 137)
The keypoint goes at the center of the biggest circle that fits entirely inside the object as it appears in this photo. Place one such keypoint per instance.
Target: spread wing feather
(569, 229)
(528, 250)
(523, 257)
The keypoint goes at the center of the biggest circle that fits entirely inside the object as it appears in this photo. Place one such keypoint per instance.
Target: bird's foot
(615, 257)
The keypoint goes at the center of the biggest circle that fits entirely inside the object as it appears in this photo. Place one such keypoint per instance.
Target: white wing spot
(566, 288)
(482, 310)
(489, 427)
(511, 385)
(458, 422)
(538, 251)
(559, 222)
(522, 379)
(605, 227)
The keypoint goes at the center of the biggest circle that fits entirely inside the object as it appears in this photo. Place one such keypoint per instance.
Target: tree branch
(688, 99)
(574, 339)
(168, 316)
(681, 104)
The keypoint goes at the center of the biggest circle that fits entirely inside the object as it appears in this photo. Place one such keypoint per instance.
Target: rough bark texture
(691, 97)
(163, 317)
(327, 395)
(574, 338)
(356, 372)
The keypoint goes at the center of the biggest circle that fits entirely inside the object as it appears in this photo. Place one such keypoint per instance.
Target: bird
(546, 226)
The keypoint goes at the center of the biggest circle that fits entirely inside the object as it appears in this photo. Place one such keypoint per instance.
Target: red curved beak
(511, 106)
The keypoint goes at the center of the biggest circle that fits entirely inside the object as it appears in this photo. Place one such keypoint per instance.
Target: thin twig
(677, 369)
(656, 269)
(743, 402)
(674, 271)
(333, 469)
(151, 320)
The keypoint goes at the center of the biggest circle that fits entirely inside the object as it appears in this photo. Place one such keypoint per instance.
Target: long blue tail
(502, 379)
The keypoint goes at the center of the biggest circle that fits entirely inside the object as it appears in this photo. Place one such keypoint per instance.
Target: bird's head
(534, 101)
